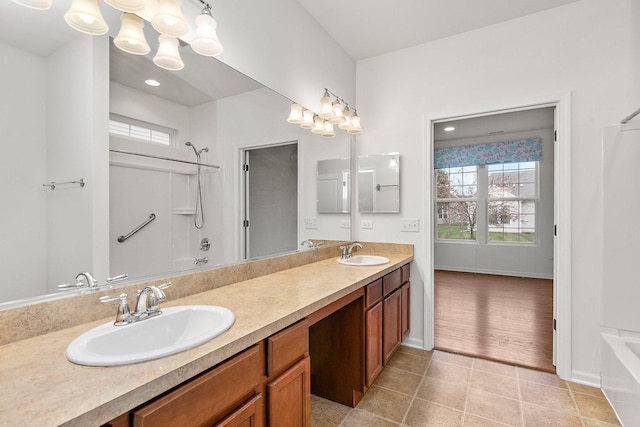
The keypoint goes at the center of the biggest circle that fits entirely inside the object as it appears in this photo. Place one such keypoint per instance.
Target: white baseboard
(494, 272)
(586, 378)
(415, 343)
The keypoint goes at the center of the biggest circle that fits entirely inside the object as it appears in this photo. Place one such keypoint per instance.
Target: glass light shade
(307, 119)
(346, 124)
(295, 116)
(205, 41)
(168, 56)
(35, 4)
(355, 128)
(338, 115)
(131, 39)
(126, 5)
(85, 16)
(318, 125)
(328, 131)
(326, 107)
(168, 19)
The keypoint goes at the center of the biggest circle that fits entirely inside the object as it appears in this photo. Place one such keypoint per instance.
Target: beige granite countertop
(38, 386)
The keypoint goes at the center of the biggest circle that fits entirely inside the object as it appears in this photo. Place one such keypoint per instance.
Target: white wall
(23, 171)
(588, 48)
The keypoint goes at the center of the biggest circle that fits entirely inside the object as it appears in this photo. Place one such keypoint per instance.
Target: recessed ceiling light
(449, 129)
(152, 82)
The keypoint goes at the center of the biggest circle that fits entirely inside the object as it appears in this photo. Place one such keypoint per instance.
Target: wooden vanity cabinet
(373, 331)
(405, 289)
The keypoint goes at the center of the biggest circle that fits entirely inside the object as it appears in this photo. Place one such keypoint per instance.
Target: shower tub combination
(621, 375)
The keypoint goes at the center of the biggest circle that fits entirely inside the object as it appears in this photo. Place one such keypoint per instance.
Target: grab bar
(378, 187)
(138, 228)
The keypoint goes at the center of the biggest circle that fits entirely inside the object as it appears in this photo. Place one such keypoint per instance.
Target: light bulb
(131, 39)
(205, 41)
(168, 56)
(85, 16)
(168, 19)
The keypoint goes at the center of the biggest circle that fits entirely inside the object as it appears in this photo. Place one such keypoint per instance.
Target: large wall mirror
(379, 183)
(76, 108)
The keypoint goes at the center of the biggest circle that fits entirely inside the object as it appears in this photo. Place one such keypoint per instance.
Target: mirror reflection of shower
(199, 207)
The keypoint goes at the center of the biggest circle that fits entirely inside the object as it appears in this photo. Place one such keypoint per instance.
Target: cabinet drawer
(287, 347)
(406, 273)
(373, 293)
(392, 281)
(209, 397)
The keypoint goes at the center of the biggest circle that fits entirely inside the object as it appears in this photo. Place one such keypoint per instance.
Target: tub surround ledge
(40, 387)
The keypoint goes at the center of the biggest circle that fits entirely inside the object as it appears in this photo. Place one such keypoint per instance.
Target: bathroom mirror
(379, 183)
(56, 103)
(333, 187)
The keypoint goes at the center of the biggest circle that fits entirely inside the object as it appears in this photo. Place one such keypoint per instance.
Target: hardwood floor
(507, 319)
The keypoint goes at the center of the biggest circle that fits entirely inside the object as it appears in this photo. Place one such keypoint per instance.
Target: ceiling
(367, 28)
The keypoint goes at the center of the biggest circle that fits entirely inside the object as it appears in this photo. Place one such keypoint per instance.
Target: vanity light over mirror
(379, 183)
(73, 104)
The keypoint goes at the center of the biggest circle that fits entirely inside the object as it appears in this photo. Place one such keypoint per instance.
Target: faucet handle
(117, 278)
(123, 315)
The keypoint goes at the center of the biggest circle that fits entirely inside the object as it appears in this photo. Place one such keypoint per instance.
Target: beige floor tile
(325, 413)
(399, 380)
(474, 421)
(445, 393)
(494, 383)
(494, 367)
(549, 397)
(415, 351)
(595, 407)
(535, 415)
(540, 377)
(448, 372)
(493, 407)
(430, 414)
(385, 403)
(358, 418)
(408, 362)
(457, 359)
(581, 388)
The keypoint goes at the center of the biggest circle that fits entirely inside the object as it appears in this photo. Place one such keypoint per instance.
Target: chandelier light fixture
(168, 20)
(333, 111)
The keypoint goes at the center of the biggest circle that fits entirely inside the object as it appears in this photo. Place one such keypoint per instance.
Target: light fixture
(35, 4)
(338, 115)
(355, 128)
(85, 16)
(131, 39)
(318, 125)
(346, 124)
(295, 116)
(126, 5)
(152, 82)
(449, 129)
(307, 119)
(168, 56)
(168, 19)
(326, 106)
(328, 131)
(205, 42)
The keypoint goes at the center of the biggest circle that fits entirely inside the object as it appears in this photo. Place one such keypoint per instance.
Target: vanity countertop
(38, 386)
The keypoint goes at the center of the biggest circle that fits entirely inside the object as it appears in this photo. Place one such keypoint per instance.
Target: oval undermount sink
(176, 329)
(364, 260)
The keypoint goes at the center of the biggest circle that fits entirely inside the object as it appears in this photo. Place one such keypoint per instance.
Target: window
(141, 131)
(511, 202)
(457, 201)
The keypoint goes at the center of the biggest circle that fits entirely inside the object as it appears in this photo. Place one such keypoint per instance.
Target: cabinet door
(247, 415)
(373, 340)
(406, 308)
(391, 324)
(289, 397)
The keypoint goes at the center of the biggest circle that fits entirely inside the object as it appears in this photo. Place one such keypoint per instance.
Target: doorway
(270, 216)
(561, 252)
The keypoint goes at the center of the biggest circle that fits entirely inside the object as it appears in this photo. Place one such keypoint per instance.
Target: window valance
(520, 150)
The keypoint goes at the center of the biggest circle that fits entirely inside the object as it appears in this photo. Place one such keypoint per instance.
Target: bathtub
(620, 375)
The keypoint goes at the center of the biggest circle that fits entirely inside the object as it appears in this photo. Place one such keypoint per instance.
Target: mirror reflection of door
(271, 200)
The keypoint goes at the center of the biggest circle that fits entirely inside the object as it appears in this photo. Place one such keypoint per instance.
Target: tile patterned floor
(434, 388)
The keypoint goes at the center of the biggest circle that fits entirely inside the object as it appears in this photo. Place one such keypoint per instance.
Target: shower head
(188, 144)
(205, 149)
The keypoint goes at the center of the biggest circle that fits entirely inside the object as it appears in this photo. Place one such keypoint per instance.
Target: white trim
(562, 189)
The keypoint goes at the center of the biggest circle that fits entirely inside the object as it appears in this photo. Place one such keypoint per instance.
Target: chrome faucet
(147, 304)
(91, 281)
(348, 249)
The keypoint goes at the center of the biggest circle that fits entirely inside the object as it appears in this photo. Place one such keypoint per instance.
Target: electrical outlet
(410, 224)
(367, 224)
(310, 223)
(345, 224)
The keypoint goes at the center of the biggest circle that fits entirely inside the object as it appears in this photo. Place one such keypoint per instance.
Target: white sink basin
(364, 260)
(175, 330)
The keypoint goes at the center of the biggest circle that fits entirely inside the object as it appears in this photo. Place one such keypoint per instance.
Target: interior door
(271, 200)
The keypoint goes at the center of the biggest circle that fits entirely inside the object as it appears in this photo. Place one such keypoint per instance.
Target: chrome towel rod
(138, 228)
(131, 153)
(630, 116)
(378, 187)
(53, 184)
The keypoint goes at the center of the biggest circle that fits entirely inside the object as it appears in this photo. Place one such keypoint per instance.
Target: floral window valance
(521, 150)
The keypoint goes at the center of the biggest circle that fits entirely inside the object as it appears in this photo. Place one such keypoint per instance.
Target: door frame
(562, 218)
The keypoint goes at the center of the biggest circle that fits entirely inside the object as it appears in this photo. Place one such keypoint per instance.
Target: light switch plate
(310, 223)
(345, 224)
(367, 224)
(410, 224)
